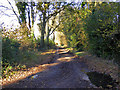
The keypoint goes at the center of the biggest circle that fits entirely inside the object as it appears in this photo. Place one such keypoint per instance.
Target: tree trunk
(29, 18)
(53, 36)
(48, 31)
(43, 30)
(118, 17)
(32, 21)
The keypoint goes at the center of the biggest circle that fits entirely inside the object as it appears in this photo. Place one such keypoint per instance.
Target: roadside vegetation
(21, 54)
(94, 29)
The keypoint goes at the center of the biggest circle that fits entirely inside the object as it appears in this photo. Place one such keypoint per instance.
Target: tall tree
(22, 8)
(27, 8)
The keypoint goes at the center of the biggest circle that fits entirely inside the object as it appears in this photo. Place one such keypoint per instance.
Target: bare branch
(57, 11)
(54, 29)
(5, 7)
(3, 13)
(54, 14)
(14, 11)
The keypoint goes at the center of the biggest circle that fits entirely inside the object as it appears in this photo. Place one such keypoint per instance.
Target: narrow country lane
(66, 71)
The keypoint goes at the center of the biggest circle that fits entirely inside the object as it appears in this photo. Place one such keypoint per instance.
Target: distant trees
(26, 15)
(48, 10)
(24, 10)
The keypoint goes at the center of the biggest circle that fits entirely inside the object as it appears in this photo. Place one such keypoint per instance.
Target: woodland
(92, 27)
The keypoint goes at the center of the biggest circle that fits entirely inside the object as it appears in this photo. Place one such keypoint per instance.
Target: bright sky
(6, 15)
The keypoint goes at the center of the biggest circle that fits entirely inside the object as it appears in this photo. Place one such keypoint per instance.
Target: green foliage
(9, 68)
(13, 55)
(73, 28)
(101, 27)
(36, 44)
(10, 49)
(10, 55)
(94, 29)
(51, 43)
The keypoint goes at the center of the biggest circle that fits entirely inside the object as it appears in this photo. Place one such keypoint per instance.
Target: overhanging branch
(57, 11)
(54, 29)
(5, 7)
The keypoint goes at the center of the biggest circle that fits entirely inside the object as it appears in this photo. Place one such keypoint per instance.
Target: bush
(101, 27)
(12, 56)
(10, 49)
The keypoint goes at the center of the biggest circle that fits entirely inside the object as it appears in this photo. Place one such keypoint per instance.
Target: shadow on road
(64, 71)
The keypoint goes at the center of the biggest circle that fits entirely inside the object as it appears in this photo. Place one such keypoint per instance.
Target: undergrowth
(18, 55)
